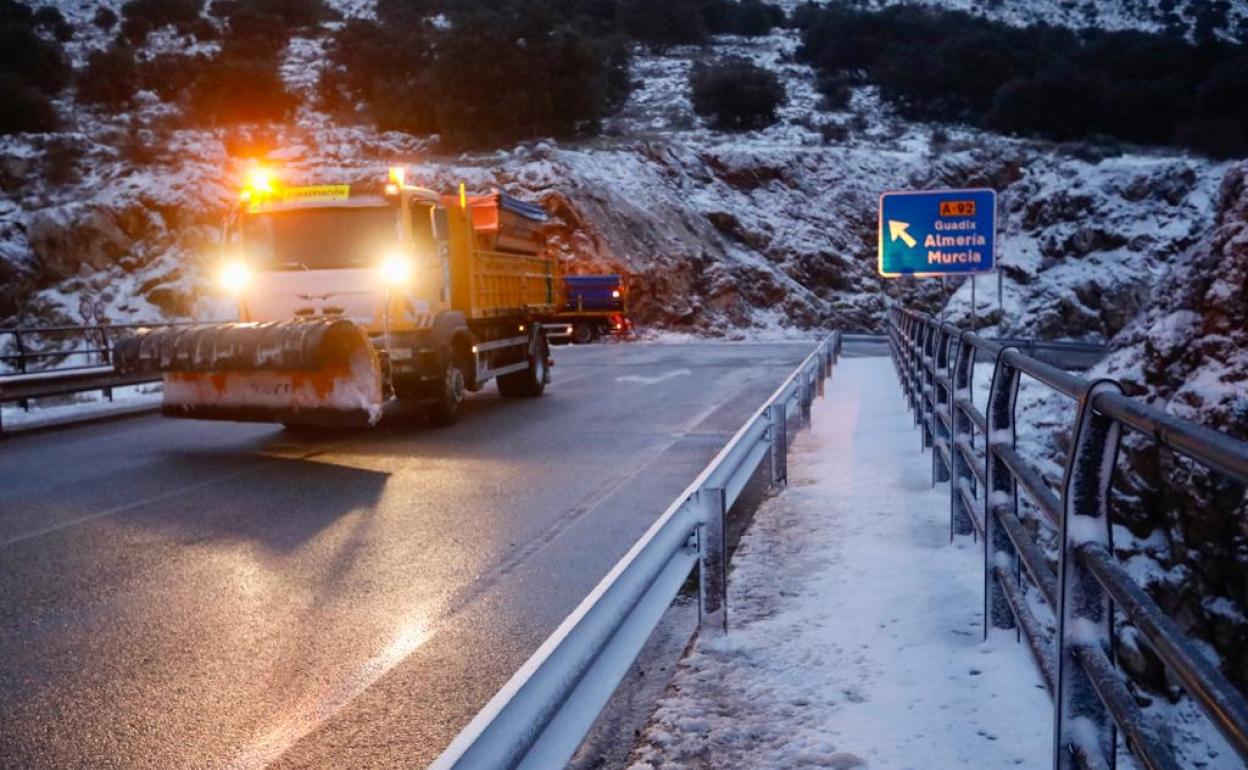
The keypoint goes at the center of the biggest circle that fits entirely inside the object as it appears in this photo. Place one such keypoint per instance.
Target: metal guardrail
(99, 340)
(976, 452)
(539, 718)
(32, 379)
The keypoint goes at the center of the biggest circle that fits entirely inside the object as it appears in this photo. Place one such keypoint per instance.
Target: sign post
(937, 232)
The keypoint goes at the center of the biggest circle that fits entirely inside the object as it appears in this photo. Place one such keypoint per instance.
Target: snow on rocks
(855, 627)
(725, 234)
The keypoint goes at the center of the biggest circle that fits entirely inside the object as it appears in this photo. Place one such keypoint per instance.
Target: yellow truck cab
(350, 295)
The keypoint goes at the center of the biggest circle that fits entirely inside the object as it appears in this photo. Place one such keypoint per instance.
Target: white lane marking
(121, 508)
(321, 704)
(653, 380)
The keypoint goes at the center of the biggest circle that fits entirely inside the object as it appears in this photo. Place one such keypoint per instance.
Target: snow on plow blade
(314, 372)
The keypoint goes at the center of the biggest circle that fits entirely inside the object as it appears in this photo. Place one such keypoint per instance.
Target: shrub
(60, 162)
(37, 62)
(834, 133)
(1060, 102)
(619, 77)
(404, 11)
(1216, 137)
(836, 92)
(296, 14)
(750, 18)
(104, 19)
(170, 75)
(110, 78)
(661, 24)
(252, 33)
(1038, 81)
(13, 12)
(736, 95)
(26, 109)
(141, 17)
(50, 18)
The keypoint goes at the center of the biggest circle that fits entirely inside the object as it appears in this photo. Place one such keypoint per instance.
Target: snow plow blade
(314, 372)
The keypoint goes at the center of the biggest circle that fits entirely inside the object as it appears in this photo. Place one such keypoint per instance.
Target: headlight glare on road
(234, 276)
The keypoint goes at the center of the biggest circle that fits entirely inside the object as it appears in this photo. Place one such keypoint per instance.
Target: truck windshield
(320, 239)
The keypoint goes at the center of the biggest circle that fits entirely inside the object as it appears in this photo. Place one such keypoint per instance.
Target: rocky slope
(1187, 353)
(725, 234)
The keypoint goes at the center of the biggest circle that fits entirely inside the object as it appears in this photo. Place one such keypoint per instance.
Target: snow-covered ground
(855, 626)
(83, 406)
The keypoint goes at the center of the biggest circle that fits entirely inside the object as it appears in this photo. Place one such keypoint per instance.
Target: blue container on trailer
(594, 293)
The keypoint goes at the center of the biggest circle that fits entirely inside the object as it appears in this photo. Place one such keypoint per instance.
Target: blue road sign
(937, 232)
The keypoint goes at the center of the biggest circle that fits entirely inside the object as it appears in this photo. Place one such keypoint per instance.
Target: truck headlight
(396, 270)
(234, 276)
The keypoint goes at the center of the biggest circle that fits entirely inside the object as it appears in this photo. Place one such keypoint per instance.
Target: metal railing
(539, 718)
(79, 361)
(977, 453)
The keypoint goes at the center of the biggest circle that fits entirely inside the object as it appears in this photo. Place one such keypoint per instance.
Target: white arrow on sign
(898, 230)
(653, 380)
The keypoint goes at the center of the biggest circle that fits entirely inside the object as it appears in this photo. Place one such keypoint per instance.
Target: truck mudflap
(306, 372)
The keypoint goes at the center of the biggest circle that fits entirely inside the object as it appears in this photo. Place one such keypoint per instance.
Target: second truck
(354, 295)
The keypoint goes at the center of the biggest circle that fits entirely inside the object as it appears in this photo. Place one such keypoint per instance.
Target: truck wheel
(583, 333)
(528, 383)
(451, 395)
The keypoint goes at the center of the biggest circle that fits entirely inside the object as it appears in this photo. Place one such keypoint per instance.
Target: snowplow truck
(350, 296)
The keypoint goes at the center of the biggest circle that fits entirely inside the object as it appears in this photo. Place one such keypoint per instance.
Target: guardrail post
(903, 350)
(940, 392)
(823, 374)
(1002, 492)
(21, 363)
(912, 364)
(926, 390)
(916, 371)
(713, 562)
(1085, 612)
(106, 355)
(806, 397)
(21, 350)
(778, 432)
(963, 431)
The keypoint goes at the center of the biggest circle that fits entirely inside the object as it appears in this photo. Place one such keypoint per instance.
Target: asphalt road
(206, 595)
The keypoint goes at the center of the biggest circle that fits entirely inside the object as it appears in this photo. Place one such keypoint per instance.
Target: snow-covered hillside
(1148, 15)
(725, 233)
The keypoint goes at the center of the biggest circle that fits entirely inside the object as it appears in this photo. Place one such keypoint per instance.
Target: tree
(498, 73)
(736, 95)
(386, 67)
(110, 78)
(26, 109)
(234, 88)
(39, 63)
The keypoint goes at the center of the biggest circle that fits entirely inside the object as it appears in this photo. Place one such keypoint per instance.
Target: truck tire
(531, 382)
(445, 410)
(583, 333)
